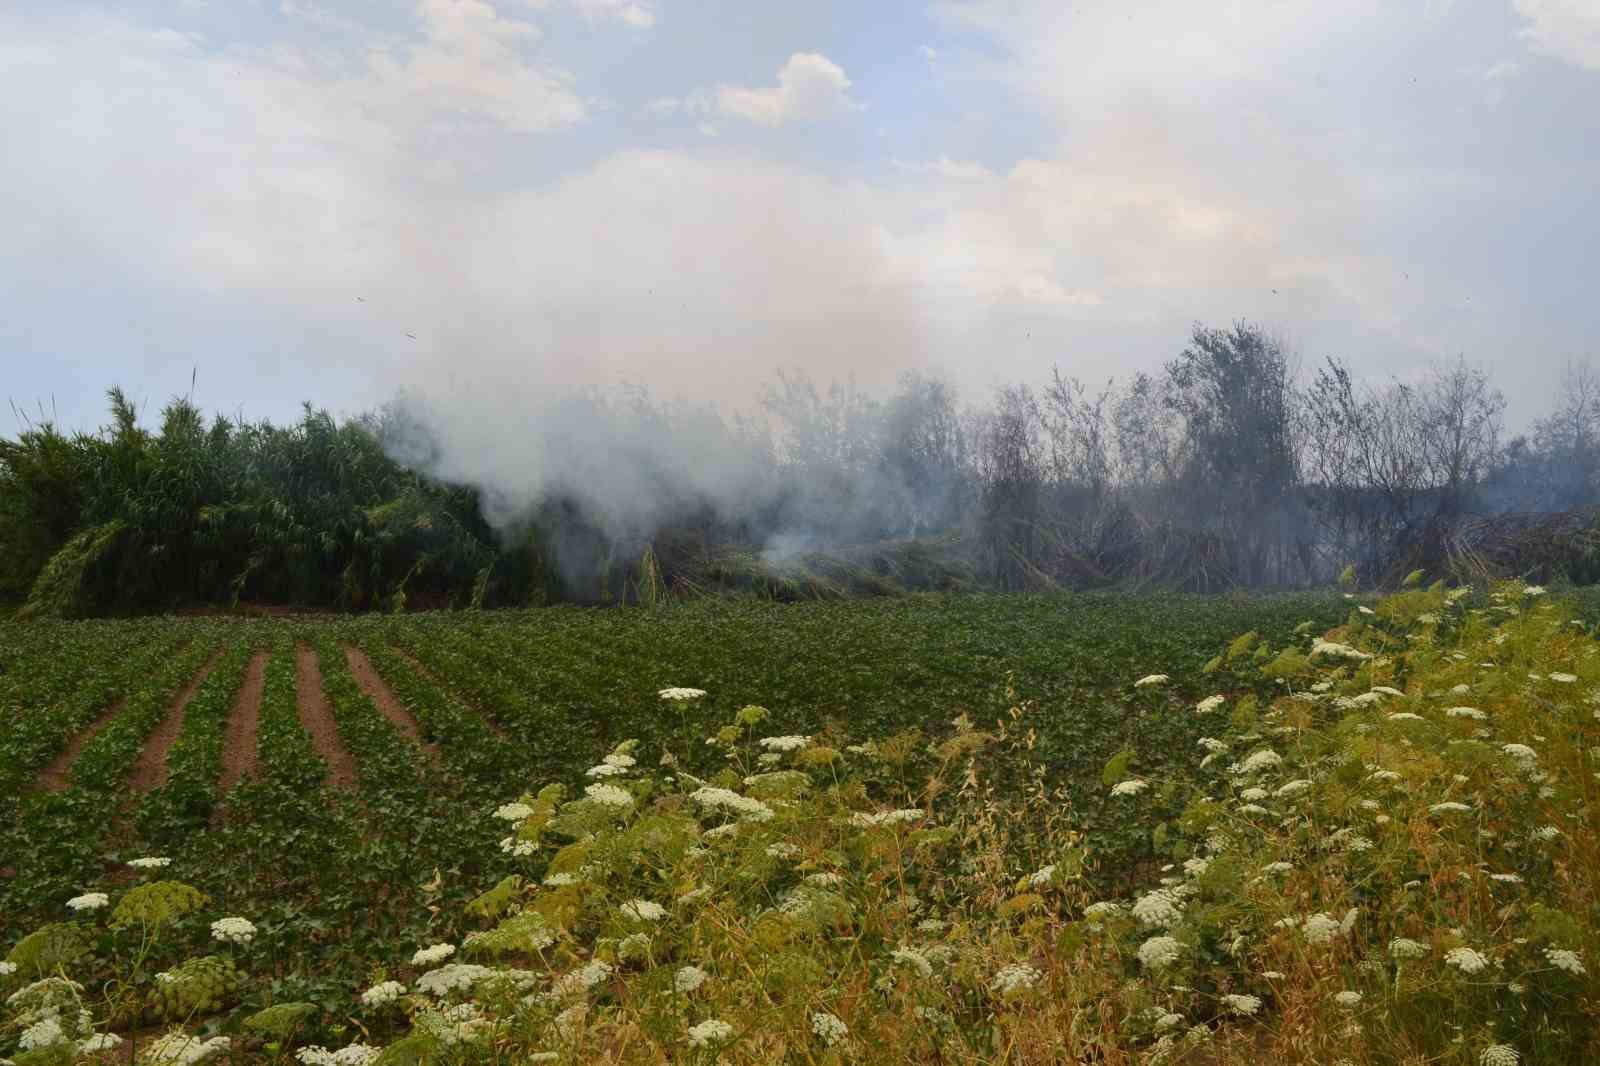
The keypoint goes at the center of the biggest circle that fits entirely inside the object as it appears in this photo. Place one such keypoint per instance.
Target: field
(336, 782)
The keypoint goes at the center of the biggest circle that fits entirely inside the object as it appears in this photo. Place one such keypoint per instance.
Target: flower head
(689, 978)
(1159, 952)
(383, 993)
(709, 1033)
(233, 930)
(436, 953)
(89, 901)
(829, 1027)
(678, 694)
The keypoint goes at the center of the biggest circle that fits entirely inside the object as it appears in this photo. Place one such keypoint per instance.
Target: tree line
(1231, 466)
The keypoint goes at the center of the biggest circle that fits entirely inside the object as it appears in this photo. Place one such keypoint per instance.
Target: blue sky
(691, 196)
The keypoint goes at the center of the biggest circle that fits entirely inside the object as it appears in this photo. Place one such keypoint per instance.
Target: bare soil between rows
(383, 697)
(239, 756)
(150, 771)
(56, 776)
(316, 718)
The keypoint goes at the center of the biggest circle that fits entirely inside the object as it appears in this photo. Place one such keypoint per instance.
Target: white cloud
(640, 14)
(810, 86)
(950, 169)
(1563, 29)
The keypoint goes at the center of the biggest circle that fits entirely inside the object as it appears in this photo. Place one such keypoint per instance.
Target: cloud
(1568, 30)
(950, 169)
(810, 87)
(639, 14)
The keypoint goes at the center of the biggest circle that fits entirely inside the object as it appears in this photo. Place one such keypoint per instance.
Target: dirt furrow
(150, 772)
(55, 777)
(378, 690)
(316, 717)
(239, 758)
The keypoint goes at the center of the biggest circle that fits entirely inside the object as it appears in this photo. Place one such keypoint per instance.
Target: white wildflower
(681, 693)
(89, 901)
(1159, 952)
(1213, 745)
(452, 977)
(709, 1033)
(1328, 649)
(1402, 948)
(1320, 928)
(1160, 908)
(1014, 978)
(582, 979)
(233, 930)
(513, 812)
(906, 814)
(726, 800)
(1546, 832)
(791, 743)
(913, 958)
(1151, 679)
(609, 796)
(46, 1032)
(644, 910)
(605, 769)
(1209, 704)
(150, 862)
(351, 1055)
(1565, 679)
(98, 1043)
(1465, 712)
(1272, 975)
(1277, 867)
(1563, 959)
(1466, 960)
(1348, 999)
(436, 953)
(1246, 1005)
(829, 1027)
(1292, 788)
(689, 978)
(181, 1048)
(1447, 806)
(1131, 787)
(1266, 759)
(1041, 877)
(518, 848)
(383, 993)
(1499, 1055)
(1254, 794)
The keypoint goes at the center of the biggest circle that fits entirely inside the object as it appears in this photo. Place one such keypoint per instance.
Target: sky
(494, 200)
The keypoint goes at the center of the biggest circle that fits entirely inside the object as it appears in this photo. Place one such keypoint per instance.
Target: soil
(56, 776)
(150, 772)
(378, 690)
(239, 756)
(316, 717)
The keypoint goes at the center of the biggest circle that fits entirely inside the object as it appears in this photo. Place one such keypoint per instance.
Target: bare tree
(1460, 412)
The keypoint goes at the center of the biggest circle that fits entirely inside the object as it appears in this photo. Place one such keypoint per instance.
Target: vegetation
(1307, 829)
(1227, 469)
